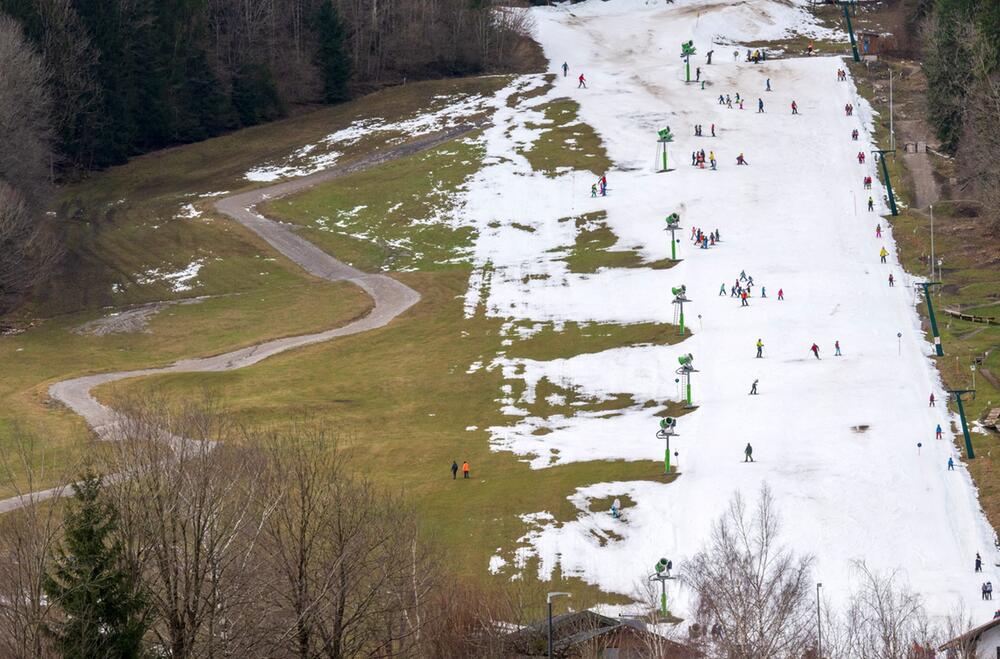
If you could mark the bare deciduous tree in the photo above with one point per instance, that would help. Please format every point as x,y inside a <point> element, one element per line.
<point>27,245</point>
<point>756,591</point>
<point>886,620</point>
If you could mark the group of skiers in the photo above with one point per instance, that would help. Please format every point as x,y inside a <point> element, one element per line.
<point>698,130</point>
<point>867,182</point>
<point>704,240</point>
<point>728,101</point>
<point>841,75</point>
<point>849,109</point>
<point>698,159</point>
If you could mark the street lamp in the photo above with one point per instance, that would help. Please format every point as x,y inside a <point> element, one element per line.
<point>663,568</point>
<point>548,600</point>
<point>819,622</point>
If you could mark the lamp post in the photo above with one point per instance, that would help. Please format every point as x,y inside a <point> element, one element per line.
<point>932,240</point>
<point>663,568</point>
<point>548,600</point>
<point>819,622</point>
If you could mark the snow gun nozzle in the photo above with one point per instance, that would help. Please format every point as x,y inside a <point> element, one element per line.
<point>665,135</point>
<point>679,291</point>
<point>673,219</point>
<point>686,360</point>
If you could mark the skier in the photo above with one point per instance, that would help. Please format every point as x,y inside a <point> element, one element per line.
<point>749,282</point>
<point>767,86</point>
<point>616,508</point>
<point>979,562</point>
<point>743,276</point>
<point>722,101</point>
<point>989,590</point>
<point>711,159</point>
<point>697,74</point>
<point>932,400</point>
<point>878,230</point>
<point>892,280</point>
<point>740,160</point>
<point>871,204</point>
<point>854,135</point>
<point>760,105</point>
<point>763,291</point>
<point>722,289</point>
<point>593,190</point>
<point>815,350</point>
<point>583,82</point>
<point>748,453</point>
<point>708,55</point>
<point>713,130</point>
<point>795,108</point>
<point>753,388</point>
<point>781,294</point>
<point>760,349</point>
<point>565,69</point>
<point>465,469</point>
<point>836,349</point>
<point>951,465</point>
<point>882,254</point>
<point>937,432</point>
<point>454,470</point>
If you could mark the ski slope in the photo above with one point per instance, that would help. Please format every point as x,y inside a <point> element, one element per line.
<point>795,219</point>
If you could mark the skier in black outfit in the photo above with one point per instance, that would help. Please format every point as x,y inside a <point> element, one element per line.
<point>454,470</point>
<point>748,453</point>
<point>753,392</point>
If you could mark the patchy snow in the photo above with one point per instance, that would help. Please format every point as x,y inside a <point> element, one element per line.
<point>789,219</point>
<point>187,212</point>
<point>312,158</point>
<point>179,281</point>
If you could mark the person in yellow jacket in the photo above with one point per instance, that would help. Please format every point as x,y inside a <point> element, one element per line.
<point>882,254</point>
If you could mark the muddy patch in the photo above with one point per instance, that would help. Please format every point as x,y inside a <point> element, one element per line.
<point>133,319</point>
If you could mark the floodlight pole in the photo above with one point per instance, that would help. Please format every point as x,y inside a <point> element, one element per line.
<point>938,348</point>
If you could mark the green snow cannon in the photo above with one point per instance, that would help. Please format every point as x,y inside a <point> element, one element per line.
<point>673,219</point>
<point>686,361</point>
<point>679,291</point>
<point>687,49</point>
<point>665,135</point>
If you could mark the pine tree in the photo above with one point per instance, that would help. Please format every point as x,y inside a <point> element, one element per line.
<point>103,608</point>
<point>335,66</point>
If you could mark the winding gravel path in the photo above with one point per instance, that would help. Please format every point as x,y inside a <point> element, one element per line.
<point>391,297</point>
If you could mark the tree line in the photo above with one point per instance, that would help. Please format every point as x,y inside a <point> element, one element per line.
<point>87,84</point>
<point>962,64</point>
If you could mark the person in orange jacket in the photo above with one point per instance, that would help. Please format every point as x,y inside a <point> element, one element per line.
<point>465,469</point>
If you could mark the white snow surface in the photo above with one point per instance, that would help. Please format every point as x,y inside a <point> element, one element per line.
<point>791,221</point>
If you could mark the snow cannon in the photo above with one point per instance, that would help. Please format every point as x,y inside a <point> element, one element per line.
<point>688,49</point>
<point>665,135</point>
<point>673,220</point>
<point>663,568</point>
<point>686,362</point>
<point>668,423</point>
<point>664,565</point>
<point>679,291</point>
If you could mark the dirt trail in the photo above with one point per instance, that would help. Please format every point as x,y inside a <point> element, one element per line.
<point>391,297</point>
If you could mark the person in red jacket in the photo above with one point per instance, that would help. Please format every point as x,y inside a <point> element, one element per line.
<point>795,108</point>
<point>815,350</point>
<point>583,82</point>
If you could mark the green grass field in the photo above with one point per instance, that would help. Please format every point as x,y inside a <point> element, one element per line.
<point>401,400</point>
